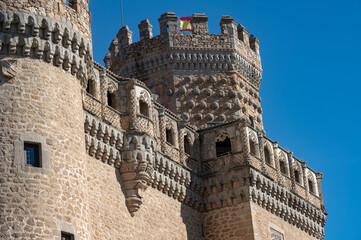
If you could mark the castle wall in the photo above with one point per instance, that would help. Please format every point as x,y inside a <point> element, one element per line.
<point>160,216</point>
<point>42,104</point>
<point>233,222</point>
<point>266,224</point>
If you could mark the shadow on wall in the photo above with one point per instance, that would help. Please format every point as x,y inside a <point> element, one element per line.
<point>190,216</point>
<point>192,220</point>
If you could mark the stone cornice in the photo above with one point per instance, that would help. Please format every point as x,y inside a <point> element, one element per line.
<point>44,38</point>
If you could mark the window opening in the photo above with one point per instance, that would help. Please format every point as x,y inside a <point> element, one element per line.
<point>267,156</point>
<point>297,176</point>
<point>223,147</point>
<point>310,186</point>
<point>143,108</point>
<point>283,167</point>
<point>252,121</point>
<point>111,101</point>
<point>169,136</point>
<point>32,154</point>
<point>187,146</point>
<point>90,88</point>
<point>67,236</point>
<point>252,147</point>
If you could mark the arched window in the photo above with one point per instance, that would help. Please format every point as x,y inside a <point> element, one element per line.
<point>187,145</point>
<point>111,99</point>
<point>252,121</point>
<point>311,186</point>
<point>297,176</point>
<point>283,167</point>
<point>267,156</point>
<point>223,147</point>
<point>169,136</point>
<point>143,108</point>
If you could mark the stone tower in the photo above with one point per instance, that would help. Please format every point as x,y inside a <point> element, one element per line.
<point>202,77</point>
<point>45,58</point>
<point>89,154</point>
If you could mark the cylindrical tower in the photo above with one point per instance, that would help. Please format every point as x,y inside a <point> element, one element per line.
<point>45,58</point>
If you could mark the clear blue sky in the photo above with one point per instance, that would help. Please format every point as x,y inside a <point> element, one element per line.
<point>311,56</point>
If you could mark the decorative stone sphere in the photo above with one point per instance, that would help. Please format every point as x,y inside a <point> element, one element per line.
<point>178,104</point>
<point>191,104</point>
<point>258,119</point>
<point>224,80</point>
<point>188,79</point>
<point>241,83</point>
<point>237,106</point>
<point>228,105</point>
<point>185,116</point>
<point>198,116</point>
<point>196,91</point>
<point>234,81</point>
<point>212,79</point>
<point>208,92</point>
<point>245,99</point>
<point>202,104</point>
<point>239,95</point>
<point>215,105</point>
<point>259,110</point>
<point>201,79</point>
<point>232,93</point>
<point>221,93</point>
<point>244,109</point>
<point>222,117</point>
<point>169,92</point>
<point>236,101</point>
<point>182,90</point>
<point>210,117</point>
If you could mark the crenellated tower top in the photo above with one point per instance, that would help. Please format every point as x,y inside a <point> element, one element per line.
<point>203,77</point>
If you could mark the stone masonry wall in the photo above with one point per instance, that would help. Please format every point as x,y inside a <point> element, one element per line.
<point>263,221</point>
<point>160,217</point>
<point>233,222</point>
<point>42,103</point>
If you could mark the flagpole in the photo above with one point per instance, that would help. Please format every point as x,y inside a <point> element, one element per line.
<point>121,11</point>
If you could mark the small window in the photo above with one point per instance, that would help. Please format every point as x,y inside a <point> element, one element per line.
<point>297,176</point>
<point>169,136</point>
<point>223,147</point>
<point>71,3</point>
<point>143,108</point>
<point>310,186</point>
<point>111,99</point>
<point>32,154</point>
<point>67,236</point>
<point>267,156</point>
<point>91,87</point>
<point>283,168</point>
<point>252,147</point>
<point>187,146</point>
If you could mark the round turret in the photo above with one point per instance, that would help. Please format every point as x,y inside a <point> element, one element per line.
<point>45,61</point>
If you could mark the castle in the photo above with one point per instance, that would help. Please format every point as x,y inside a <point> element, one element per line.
<point>164,142</point>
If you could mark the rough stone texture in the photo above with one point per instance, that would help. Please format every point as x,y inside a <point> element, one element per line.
<point>229,223</point>
<point>34,204</point>
<point>264,221</point>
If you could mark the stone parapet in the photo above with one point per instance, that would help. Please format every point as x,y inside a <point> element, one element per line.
<point>40,37</point>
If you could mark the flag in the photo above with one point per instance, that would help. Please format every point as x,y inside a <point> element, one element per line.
<point>185,24</point>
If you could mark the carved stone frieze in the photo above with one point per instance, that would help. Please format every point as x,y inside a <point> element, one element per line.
<point>136,170</point>
<point>44,38</point>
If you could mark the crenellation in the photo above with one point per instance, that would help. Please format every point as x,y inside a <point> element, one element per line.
<point>145,30</point>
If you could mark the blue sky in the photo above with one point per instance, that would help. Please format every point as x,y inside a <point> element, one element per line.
<point>311,83</point>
